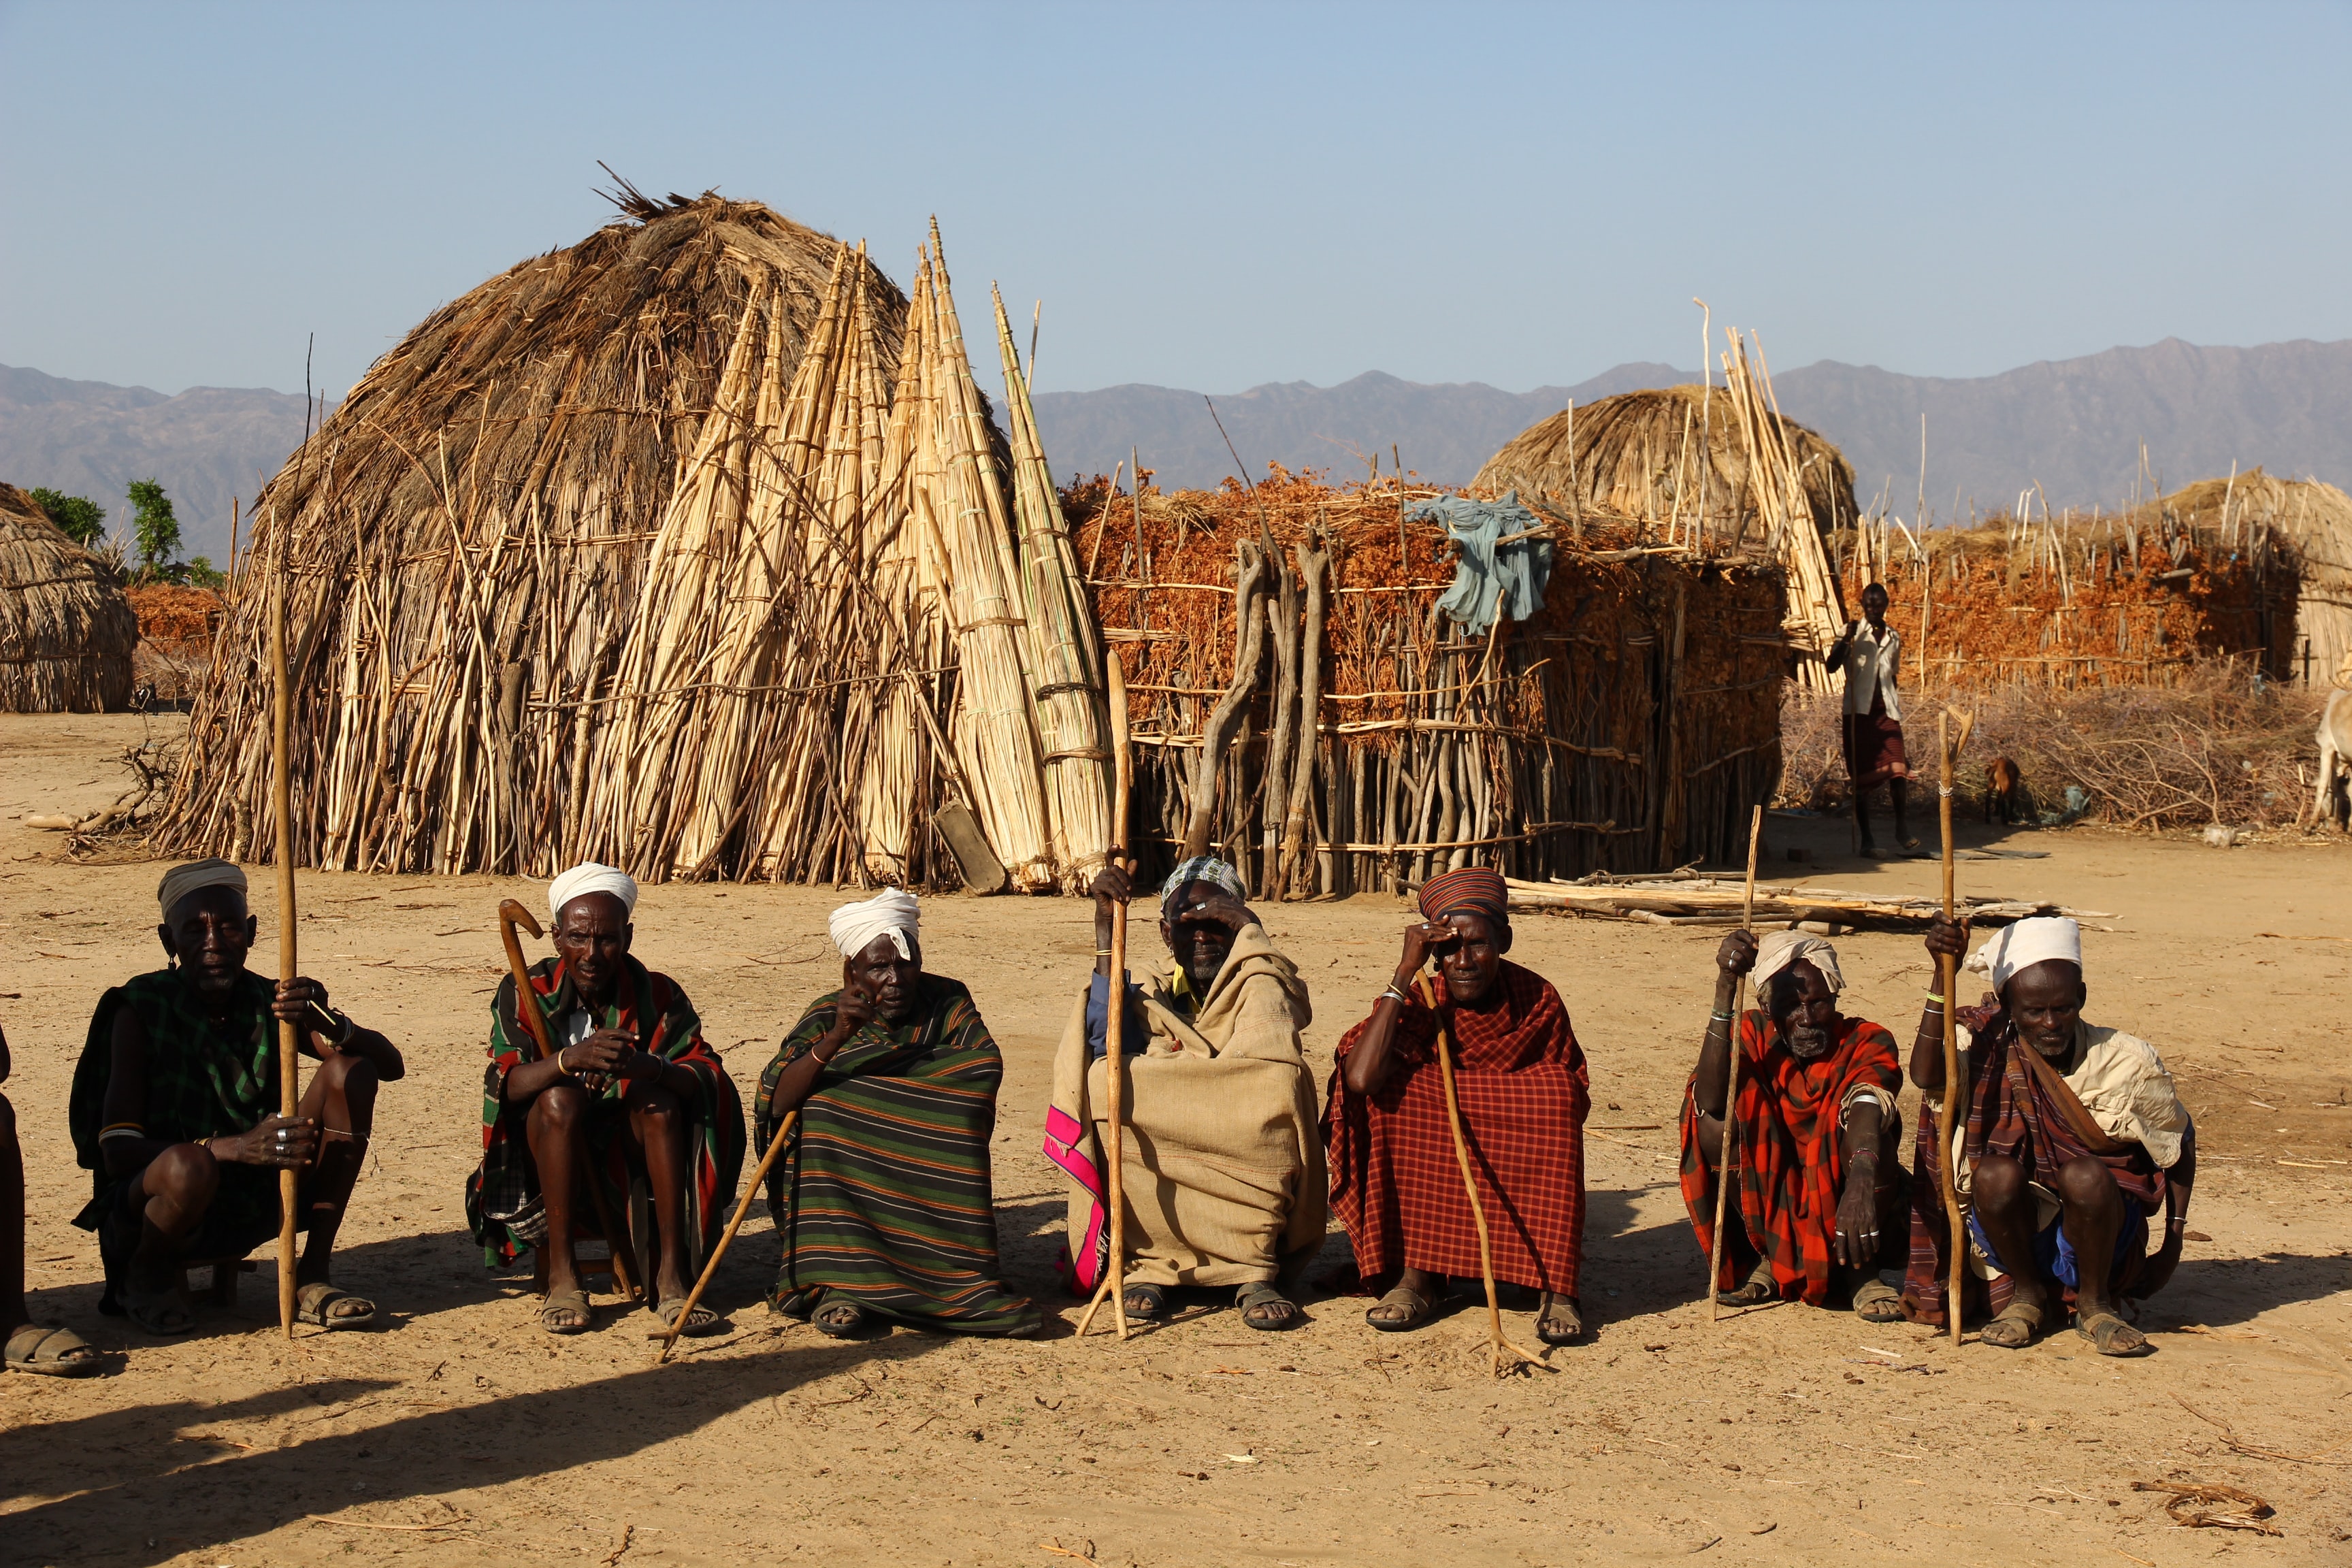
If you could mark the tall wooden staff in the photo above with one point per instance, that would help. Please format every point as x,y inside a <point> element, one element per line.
<point>1497,1343</point>
<point>743,1206</point>
<point>281,800</point>
<point>1114,1280</point>
<point>1731,1086</point>
<point>1947,1120</point>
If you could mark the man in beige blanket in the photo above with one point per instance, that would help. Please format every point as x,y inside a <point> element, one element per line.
<point>1224,1164</point>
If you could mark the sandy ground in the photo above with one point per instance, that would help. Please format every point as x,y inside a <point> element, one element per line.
<point>460,1433</point>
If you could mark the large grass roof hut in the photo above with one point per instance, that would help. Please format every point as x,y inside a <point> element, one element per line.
<point>691,548</point>
<point>2229,515</point>
<point>66,629</point>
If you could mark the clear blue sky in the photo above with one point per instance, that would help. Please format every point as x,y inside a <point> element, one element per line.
<point>1207,196</point>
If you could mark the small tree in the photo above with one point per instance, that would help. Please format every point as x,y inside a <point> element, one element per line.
<point>200,573</point>
<point>154,529</point>
<point>81,520</point>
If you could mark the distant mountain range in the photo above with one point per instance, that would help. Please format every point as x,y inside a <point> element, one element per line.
<point>87,439</point>
<point>2074,425</point>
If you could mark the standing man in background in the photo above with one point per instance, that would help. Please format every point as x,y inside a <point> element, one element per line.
<point>1872,728</point>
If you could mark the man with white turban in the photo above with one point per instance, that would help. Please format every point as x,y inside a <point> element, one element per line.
<point>883,1198</point>
<point>175,1112</point>
<point>1817,1185</point>
<point>2073,1136</point>
<point>631,1098</point>
<point>1223,1162</point>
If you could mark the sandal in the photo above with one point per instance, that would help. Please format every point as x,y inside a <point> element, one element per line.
<point>1562,1322</point>
<point>2014,1328</point>
<point>1418,1310</point>
<point>566,1312</point>
<point>1144,1303</point>
<point>2110,1335</point>
<point>1876,1302</point>
<point>51,1352</point>
<point>1755,1290</point>
<point>841,1318</point>
<point>1264,1307</point>
<point>315,1303</point>
<point>157,1312</point>
<point>700,1322</point>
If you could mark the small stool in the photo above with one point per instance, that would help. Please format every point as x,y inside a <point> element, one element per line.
<point>219,1289</point>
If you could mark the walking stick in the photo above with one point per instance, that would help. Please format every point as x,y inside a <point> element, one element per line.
<point>1498,1344</point>
<point>282,802</point>
<point>1114,1280</point>
<point>511,915</point>
<point>742,1207</point>
<point>1947,1119</point>
<point>1731,1087</point>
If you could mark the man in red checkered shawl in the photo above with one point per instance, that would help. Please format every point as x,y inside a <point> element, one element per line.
<point>1523,1091</point>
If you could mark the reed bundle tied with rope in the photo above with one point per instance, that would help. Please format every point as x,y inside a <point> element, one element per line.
<point>1630,724</point>
<point>693,548</point>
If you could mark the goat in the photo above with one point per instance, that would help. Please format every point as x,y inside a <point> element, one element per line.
<point>2335,738</point>
<point>2004,792</point>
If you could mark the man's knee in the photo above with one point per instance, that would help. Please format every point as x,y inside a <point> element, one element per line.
<point>652,1102</point>
<point>2000,1183</point>
<point>559,1108</point>
<point>354,1077</point>
<point>185,1173</point>
<point>2086,1184</point>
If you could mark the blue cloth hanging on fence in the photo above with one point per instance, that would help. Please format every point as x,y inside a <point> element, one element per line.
<point>1488,571</point>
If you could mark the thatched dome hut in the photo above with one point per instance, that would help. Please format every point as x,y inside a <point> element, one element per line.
<point>66,628</point>
<point>468,537</point>
<point>1653,456</point>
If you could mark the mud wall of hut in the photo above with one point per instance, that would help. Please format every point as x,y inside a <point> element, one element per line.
<point>1629,726</point>
<point>2105,602</point>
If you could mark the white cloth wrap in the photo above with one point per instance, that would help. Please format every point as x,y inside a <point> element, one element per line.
<point>194,877</point>
<point>2025,945</point>
<point>588,877</point>
<point>890,912</point>
<point>1779,949</point>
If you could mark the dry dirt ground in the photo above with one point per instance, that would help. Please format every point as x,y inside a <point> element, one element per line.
<point>460,1433</point>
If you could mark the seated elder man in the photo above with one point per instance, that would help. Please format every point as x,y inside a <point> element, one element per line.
<point>175,1112</point>
<point>1223,1163</point>
<point>1817,1202</point>
<point>631,1099</point>
<point>30,1346</point>
<point>2073,1136</point>
<point>883,1198</point>
<point>1524,1093</point>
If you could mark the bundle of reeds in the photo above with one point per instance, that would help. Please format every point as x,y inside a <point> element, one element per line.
<point>1776,491</point>
<point>66,628</point>
<point>1632,724</point>
<point>1708,900</point>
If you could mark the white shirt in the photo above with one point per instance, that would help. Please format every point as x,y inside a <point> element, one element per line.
<point>1871,659</point>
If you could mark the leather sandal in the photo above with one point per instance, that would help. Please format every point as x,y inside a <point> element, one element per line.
<point>1265,1307</point>
<point>2014,1328</point>
<point>2110,1335</point>
<point>1876,1302</point>
<point>841,1318</point>
<point>51,1352</point>
<point>566,1312</point>
<point>1419,1308</point>
<point>1560,1322</point>
<point>315,1303</point>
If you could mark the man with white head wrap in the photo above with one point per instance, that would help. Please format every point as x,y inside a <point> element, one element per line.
<point>175,1112</point>
<point>632,1099</point>
<point>2072,1137</point>
<point>884,1199</point>
<point>1223,1161</point>
<point>1819,1190</point>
